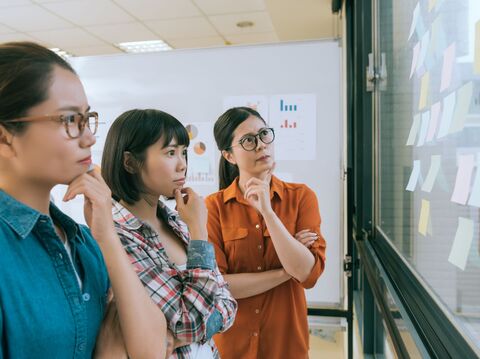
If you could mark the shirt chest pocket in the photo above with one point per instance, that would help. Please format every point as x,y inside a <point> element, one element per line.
<point>235,241</point>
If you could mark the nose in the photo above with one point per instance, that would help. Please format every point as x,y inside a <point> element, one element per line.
<point>182,164</point>
<point>87,139</point>
<point>260,144</point>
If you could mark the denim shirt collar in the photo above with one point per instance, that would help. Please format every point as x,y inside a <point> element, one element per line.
<point>22,218</point>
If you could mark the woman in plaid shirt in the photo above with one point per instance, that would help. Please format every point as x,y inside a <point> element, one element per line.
<point>144,158</point>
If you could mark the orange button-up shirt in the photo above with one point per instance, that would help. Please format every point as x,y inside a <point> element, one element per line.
<point>273,324</point>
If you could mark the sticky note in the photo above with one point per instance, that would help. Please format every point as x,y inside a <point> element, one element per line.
<point>474,199</point>
<point>447,68</point>
<point>423,128</point>
<point>447,114</point>
<point>415,17</point>
<point>424,91</point>
<point>416,53</point>
<point>462,243</point>
<point>464,97</point>
<point>424,45</point>
<point>435,163</point>
<point>434,116</point>
<point>412,182</point>
<point>461,190</point>
<point>477,48</point>
<point>414,130</point>
<point>424,216</point>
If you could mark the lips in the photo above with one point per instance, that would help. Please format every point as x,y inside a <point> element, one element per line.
<point>181,180</point>
<point>86,160</point>
<point>263,158</point>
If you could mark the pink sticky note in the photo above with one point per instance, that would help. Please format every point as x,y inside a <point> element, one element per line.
<point>466,163</point>
<point>416,52</point>
<point>447,69</point>
<point>434,115</point>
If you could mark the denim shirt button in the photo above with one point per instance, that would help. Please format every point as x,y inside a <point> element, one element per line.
<point>81,347</point>
<point>86,297</point>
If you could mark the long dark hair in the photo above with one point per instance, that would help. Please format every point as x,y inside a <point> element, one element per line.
<point>25,77</point>
<point>223,131</point>
<point>134,131</point>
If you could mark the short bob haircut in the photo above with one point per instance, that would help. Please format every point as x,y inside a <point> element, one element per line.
<point>134,131</point>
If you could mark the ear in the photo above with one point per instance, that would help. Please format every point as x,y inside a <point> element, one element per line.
<point>6,139</point>
<point>228,155</point>
<point>129,163</point>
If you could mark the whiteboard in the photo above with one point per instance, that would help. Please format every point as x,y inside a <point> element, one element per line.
<point>192,85</point>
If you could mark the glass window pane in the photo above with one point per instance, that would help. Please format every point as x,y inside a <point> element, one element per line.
<point>429,138</point>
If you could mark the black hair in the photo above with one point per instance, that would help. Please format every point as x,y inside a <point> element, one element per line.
<point>134,131</point>
<point>223,132</point>
<point>25,77</point>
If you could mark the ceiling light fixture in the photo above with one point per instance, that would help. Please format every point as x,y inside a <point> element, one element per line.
<point>62,53</point>
<point>144,46</point>
<point>244,24</point>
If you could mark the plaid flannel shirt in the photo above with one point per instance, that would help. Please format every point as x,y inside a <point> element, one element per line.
<point>196,302</point>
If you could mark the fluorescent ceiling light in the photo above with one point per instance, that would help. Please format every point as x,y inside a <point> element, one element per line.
<point>144,46</point>
<point>61,53</point>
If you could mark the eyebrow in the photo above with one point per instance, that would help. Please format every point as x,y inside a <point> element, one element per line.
<point>73,108</point>
<point>251,133</point>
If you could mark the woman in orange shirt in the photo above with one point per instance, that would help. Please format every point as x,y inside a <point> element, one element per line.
<point>252,223</point>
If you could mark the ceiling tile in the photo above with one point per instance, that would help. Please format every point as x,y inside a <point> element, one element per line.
<point>5,30</point>
<point>198,43</point>
<point>16,37</point>
<point>93,50</point>
<point>90,12</point>
<point>261,38</point>
<point>182,28</point>
<point>227,24</point>
<point>9,3</point>
<point>67,38</point>
<point>215,7</point>
<point>134,31</point>
<point>159,9</point>
<point>31,18</point>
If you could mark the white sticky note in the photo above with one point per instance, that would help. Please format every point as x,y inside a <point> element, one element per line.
<point>462,243</point>
<point>477,48</point>
<point>424,216</point>
<point>415,16</point>
<point>434,115</point>
<point>424,44</point>
<point>424,84</point>
<point>412,182</point>
<point>474,199</point>
<point>447,113</point>
<point>416,53</point>
<point>435,163</point>
<point>423,128</point>
<point>412,136</point>
<point>466,164</point>
<point>447,68</point>
<point>464,97</point>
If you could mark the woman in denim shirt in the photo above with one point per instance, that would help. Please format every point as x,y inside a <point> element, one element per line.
<point>53,274</point>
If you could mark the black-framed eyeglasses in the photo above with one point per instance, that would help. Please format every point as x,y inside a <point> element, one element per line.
<point>250,142</point>
<point>74,124</point>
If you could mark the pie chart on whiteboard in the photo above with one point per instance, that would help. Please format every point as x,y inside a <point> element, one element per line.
<point>192,131</point>
<point>199,148</point>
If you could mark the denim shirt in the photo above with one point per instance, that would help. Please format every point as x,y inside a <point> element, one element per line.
<point>43,311</point>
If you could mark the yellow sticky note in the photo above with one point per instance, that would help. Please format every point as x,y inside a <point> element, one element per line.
<point>477,47</point>
<point>424,216</point>
<point>431,4</point>
<point>424,91</point>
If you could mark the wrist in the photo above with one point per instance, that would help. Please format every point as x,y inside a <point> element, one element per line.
<point>198,233</point>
